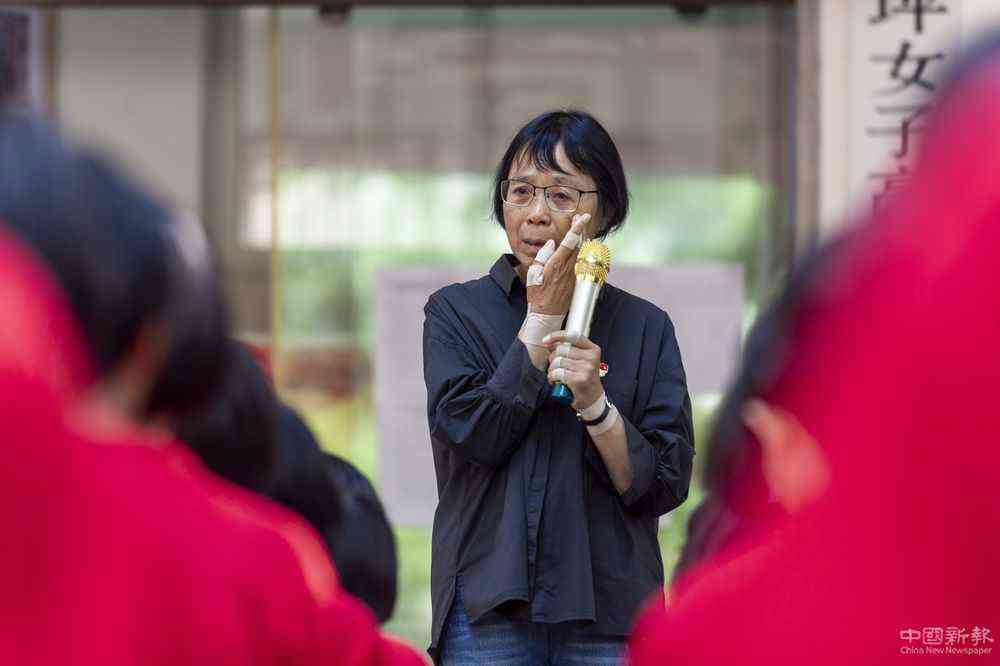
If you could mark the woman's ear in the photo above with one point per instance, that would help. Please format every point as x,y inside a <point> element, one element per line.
<point>795,469</point>
<point>116,406</point>
<point>137,372</point>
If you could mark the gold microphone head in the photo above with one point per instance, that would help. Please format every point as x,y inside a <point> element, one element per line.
<point>594,261</point>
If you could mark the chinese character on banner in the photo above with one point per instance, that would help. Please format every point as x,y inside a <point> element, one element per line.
<point>933,636</point>
<point>904,129</point>
<point>955,636</point>
<point>914,74</point>
<point>898,73</point>
<point>918,8</point>
<point>890,183</point>
<point>909,635</point>
<point>980,636</point>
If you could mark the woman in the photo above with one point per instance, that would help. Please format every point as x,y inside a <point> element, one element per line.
<point>545,533</point>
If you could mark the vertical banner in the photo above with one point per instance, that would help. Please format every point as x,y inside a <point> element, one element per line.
<point>899,52</point>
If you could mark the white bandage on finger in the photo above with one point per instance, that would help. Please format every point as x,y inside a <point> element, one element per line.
<point>559,362</point>
<point>536,326</point>
<point>535,276</point>
<point>545,252</point>
<point>536,271</point>
<point>559,375</point>
<point>563,348</point>
<point>571,240</point>
<point>607,424</point>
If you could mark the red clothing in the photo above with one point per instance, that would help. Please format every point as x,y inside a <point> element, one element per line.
<point>191,569</point>
<point>39,338</point>
<point>123,549</point>
<point>42,365</point>
<point>894,371</point>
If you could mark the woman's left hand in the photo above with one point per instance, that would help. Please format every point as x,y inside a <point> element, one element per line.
<point>575,361</point>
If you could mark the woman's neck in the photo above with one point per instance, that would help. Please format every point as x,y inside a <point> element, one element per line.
<point>110,413</point>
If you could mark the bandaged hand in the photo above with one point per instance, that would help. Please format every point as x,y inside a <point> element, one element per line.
<point>537,326</point>
<point>536,272</point>
<point>550,278</point>
<point>575,361</point>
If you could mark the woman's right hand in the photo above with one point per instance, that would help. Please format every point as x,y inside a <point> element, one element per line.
<point>554,295</point>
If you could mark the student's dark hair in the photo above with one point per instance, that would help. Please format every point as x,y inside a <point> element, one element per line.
<point>362,544</point>
<point>732,449</point>
<point>195,362</point>
<point>341,504</point>
<point>981,53</point>
<point>300,480</point>
<point>101,235</point>
<point>588,147</point>
<point>733,474</point>
<point>235,432</point>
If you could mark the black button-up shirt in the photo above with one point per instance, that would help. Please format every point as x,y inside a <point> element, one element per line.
<point>527,513</point>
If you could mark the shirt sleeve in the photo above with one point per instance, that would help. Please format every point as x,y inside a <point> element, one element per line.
<point>483,415</point>
<point>661,443</point>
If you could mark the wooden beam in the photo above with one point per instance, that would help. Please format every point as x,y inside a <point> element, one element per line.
<point>807,127</point>
<point>97,4</point>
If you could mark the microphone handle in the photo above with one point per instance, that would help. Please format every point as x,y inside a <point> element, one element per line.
<point>581,312</point>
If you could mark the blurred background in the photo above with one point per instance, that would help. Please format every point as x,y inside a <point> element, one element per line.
<point>340,156</point>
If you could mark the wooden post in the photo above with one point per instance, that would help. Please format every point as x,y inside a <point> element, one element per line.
<point>274,90</point>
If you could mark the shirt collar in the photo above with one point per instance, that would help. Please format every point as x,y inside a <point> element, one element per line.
<point>504,273</point>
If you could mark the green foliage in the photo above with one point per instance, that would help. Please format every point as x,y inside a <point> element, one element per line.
<point>675,220</point>
<point>320,299</point>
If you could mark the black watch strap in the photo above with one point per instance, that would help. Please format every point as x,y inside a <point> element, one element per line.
<point>599,419</point>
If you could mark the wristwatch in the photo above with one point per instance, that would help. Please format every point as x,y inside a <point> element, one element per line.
<point>599,419</point>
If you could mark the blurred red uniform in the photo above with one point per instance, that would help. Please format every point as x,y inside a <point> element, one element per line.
<point>894,370</point>
<point>121,548</point>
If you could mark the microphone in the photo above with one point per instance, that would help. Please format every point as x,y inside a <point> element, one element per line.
<point>593,264</point>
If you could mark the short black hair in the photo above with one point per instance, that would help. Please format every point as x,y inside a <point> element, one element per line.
<point>300,482</point>
<point>980,54</point>
<point>235,433</point>
<point>588,147</point>
<point>197,317</point>
<point>733,474</point>
<point>341,504</point>
<point>102,236</point>
<point>732,449</point>
<point>362,545</point>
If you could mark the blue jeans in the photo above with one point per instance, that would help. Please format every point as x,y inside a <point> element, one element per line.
<point>504,642</point>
